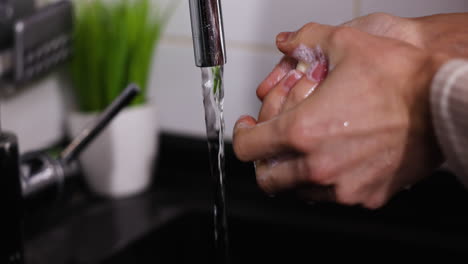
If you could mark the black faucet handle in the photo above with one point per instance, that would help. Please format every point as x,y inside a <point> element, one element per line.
<point>89,133</point>
<point>40,170</point>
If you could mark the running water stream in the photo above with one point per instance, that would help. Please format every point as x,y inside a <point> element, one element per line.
<point>213,100</point>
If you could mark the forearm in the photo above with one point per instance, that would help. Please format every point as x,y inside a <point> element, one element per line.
<point>449,102</point>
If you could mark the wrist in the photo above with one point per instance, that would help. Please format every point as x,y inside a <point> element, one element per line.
<point>422,74</point>
<point>411,31</point>
<point>437,60</point>
<point>443,33</point>
<point>418,96</point>
<point>435,63</point>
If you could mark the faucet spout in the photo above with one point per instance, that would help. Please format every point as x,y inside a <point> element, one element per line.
<point>208,33</point>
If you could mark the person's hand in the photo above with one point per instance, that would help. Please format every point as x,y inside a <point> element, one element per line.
<point>364,133</point>
<point>443,33</point>
<point>387,25</point>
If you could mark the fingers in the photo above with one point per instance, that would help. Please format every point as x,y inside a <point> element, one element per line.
<point>279,174</point>
<point>303,89</point>
<point>334,41</point>
<point>261,141</point>
<point>312,44</point>
<point>306,86</point>
<point>246,122</point>
<point>279,72</point>
<point>286,132</point>
<point>302,47</point>
<point>273,102</point>
<point>289,173</point>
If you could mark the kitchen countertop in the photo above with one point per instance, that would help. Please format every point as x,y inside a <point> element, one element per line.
<point>82,228</point>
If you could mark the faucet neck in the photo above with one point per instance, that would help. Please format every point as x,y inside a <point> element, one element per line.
<point>208,33</point>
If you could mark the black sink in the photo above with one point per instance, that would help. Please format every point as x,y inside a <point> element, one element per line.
<point>189,239</point>
<point>173,223</point>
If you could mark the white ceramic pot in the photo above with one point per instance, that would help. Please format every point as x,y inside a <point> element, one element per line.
<point>119,162</point>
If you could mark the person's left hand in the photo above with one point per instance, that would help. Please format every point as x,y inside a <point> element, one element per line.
<point>444,33</point>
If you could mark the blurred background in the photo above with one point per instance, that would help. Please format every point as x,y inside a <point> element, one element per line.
<point>37,115</point>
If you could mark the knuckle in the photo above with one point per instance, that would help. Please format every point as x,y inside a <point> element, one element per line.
<point>319,171</point>
<point>265,182</point>
<point>240,149</point>
<point>307,28</point>
<point>289,129</point>
<point>341,34</point>
<point>297,133</point>
<point>305,31</point>
<point>269,110</point>
<point>294,136</point>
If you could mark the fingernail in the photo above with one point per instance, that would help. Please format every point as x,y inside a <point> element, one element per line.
<point>292,79</point>
<point>320,72</point>
<point>241,123</point>
<point>283,37</point>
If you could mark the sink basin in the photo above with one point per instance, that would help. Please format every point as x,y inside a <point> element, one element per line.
<point>173,223</point>
<point>188,239</point>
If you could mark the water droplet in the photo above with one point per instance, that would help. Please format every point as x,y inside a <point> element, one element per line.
<point>312,90</point>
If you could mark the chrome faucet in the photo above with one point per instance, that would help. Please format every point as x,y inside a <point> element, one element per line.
<point>208,33</point>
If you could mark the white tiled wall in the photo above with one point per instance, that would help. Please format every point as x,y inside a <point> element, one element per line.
<point>36,114</point>
<point>258,21</point>
<point>250,25</point>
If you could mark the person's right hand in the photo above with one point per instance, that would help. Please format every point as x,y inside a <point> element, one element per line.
<point>362,136</point>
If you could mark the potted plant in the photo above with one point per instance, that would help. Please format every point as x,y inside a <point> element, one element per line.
<point>114,42</point>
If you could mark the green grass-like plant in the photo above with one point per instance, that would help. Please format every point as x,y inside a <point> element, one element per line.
<point>218,79</point>
<point>114,42</point>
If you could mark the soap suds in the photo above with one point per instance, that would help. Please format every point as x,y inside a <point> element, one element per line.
<point>312,62</point>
